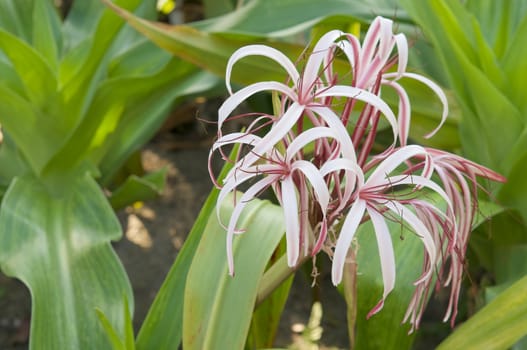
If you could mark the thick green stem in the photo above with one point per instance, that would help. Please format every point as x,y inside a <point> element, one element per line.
<point>275,276</point>
<point>350,294</point>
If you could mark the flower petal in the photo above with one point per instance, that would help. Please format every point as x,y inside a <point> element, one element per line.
<point>420,230</point>
<point>242,203</point>
<point>349,228</point>
<point>260,50</point>
<point>292,230</point>
<point>238,97</point>
<point>434,87</point>
<point>386,254</point>
<point>365,96</point>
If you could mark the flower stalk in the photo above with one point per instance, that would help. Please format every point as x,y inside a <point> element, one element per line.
<point>317,156</point>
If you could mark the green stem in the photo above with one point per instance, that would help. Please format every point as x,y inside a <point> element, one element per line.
<point>350,294</point>
<point>275,276</point>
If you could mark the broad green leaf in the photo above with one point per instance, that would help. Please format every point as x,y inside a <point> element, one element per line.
<point>47,37</point>
<point>10,154</point>
<point>35,73</point>
<point>16,17</point>
<point>279,18</point>
<point>214,8</point>
<point>162,329</point>
<point>208,51</point>
<point>60,248</point>
<point>109,109</point>
<point>499,21</point>
<point>266,316</point>
<point>496,326</point>
<point>142,59</point>
<point>487,113</point>
<point>113,337</point>
<point>143,116</point>
<point>515,65</point>
<point>219,316</point>
<point>384,330</point>
<point>137,188</point>
<point>29,128</point>
<point>128,343</point>
<point>78,82</point>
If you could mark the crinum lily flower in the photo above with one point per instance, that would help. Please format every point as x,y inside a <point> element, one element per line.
<point>321,166</point>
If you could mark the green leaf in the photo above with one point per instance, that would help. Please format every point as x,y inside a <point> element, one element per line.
<point>266,317</point>
<point>47,37</point>
<point>497,326</point>
<point>162,329</point>
<point>60,248</point>
<point>34,71</point>
<point>16,17</point>
<point>280,18</point>
<point>219,316</point>
<point>208,51</point>
<point>143,116</point>
<point>115,339</point>
<point>137,188</point>
<point>214,8</point>
<point>499,21</point>
<point>143,97</point>
<point>29,128</point>
<point>80,76</point>
<point>384,330</point>
<point>488,113</point>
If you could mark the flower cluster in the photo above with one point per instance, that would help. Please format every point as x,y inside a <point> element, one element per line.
<point>317,155</point>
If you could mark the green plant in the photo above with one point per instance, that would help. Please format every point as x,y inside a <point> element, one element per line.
<point>77,98</point>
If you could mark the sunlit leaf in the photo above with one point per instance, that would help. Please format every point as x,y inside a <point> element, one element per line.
<point>497,326</point>
<point>219,316</point>
<point>137,188</point>
<point>59,246</point>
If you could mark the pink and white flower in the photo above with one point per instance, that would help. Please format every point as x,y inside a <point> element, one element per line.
<point>321,165</point>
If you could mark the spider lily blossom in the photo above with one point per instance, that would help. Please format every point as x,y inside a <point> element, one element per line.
<point>320,163</point>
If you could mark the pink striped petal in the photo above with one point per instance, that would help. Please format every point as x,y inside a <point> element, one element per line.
<point>386,254</point>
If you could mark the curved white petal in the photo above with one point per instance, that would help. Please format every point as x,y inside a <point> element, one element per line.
<point>305,138</point>
<point>404,113</point>
<point>365,96</point>
<point>310,75</point>
<point>386,254</point>
<point>354,177</point>
<point>237,176</point>
<point>419,181</point>
<point>402,52</point>
<point>235,215</point>
<point>260,50</point>
<point>349,228</point>
<point>434,87</point>
<point>236,137</point>
<point>316,180</point>
<point>392,162</point>
<point>341,133</point>
<point>420,229</point>
<point>292,224</point>
<point>239,96</point>
<point>282,126</point>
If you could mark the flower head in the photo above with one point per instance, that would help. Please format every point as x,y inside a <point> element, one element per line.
<point>319,161</point>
